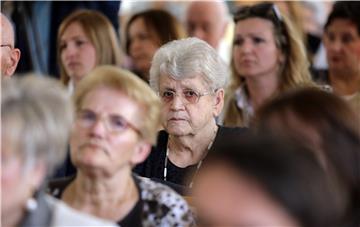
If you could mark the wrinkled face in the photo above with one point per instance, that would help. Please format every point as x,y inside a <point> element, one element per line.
<point>143,45</point>
<point>78,54</point>
<point>342,43</point>
<point>189,105</point>
<point>223,197</point>
<point>105,135</point>
<point>254,50</point>
<point>206,21</point>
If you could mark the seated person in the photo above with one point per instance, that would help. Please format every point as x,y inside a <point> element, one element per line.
<point>117,116</point>
<point>261,181</point>
<point>190,78</point>
<point>146,32</point>
<point>9,55</point>
<point>36,116</point>
<point>329,127</point>
<point>268,58</point>
<point>342,45</point>
<point>86,39</point>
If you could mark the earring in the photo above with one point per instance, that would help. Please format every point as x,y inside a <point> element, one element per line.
<point>31,204</point>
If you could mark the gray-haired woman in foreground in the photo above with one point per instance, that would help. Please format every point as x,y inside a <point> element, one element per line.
<point>36,118</point>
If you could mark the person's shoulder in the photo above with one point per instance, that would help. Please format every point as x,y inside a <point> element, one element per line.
<point>161,145</point>
<point>225,131</point>
<point>152,190</point>
<point>165,200</point>
<point>228,132</point>
<point>66,216</point>
<point>56,187</point>
<point>157,154</point>
<point>162,138</point>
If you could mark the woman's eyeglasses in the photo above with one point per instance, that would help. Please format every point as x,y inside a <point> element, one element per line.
<point>113,123</point>
<point>187,96</point>
<point>264,10</point>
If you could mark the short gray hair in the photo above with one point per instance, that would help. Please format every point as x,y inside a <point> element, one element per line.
<point>36,118</point>
<point>186,58</point>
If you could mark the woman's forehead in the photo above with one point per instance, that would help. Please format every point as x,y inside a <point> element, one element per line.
<point>193,81</point>
<point>254,24</point>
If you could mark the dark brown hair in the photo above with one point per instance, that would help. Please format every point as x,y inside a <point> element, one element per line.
<point>287,172</point>
<point>335,123</point>
<point>159,22</point>
<point>345,10</point>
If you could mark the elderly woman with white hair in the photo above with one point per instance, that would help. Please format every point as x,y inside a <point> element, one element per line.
<point>36,117</point>
<point>190,78</point>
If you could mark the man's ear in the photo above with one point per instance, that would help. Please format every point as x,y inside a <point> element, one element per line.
<point>14,60</point>
<point>218,102</point>
<point>141,152</point>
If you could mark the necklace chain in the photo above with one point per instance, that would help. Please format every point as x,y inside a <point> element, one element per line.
<point>166,164</point>
<point>197,167</point>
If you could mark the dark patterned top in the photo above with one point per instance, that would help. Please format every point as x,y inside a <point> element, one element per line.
<point>158,204</point>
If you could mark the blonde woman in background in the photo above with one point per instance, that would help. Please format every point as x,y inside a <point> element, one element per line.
<point>269,57</point>
<point>86,39</point>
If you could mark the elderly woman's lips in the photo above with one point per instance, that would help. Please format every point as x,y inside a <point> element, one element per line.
<point>177,119</point>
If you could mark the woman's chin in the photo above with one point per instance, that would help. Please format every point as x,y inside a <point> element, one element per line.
<point>177,131</point>
<point>94,170</point>
<point>90,163</point>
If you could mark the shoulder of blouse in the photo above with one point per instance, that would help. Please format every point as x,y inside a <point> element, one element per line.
<point>163,206</point>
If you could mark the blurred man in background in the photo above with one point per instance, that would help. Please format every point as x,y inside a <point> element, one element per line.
<point>9,55</point>
<point>208,20</point>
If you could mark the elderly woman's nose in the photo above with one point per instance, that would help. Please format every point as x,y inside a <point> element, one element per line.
<point>177,102</point>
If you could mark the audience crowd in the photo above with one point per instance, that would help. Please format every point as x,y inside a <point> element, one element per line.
<point>167,123</point>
